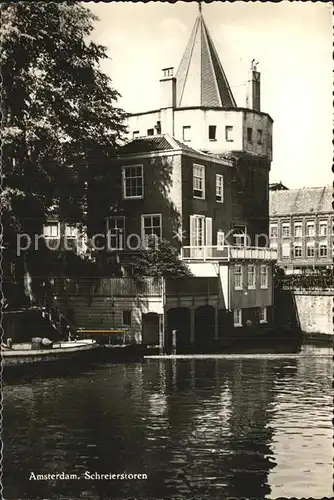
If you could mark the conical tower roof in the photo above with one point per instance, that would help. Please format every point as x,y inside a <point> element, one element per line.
<point>200,78</point>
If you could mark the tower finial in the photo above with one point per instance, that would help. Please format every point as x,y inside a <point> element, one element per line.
<point>200,6</point>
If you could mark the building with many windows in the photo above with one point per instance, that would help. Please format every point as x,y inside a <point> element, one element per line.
<point>195,172</point>
<point>301,228</point>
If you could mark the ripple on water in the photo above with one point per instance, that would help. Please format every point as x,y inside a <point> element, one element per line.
<point>231,427</point>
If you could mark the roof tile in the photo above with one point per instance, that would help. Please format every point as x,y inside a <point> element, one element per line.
<point>301,201</point>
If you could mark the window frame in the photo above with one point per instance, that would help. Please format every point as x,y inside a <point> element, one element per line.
<point>321,246</point>
<point>143,235</point>
<point>124,178</point>
<point>284,226</point>
<point>212,128</point>
<point>310,224</point>
<point>184,129</point>
<point>298,225</point>
<point>310,245</point>
<point>251,286</point>
<point>259,133</point>
<point>299,246</point>
<point>286,245</point>
<point>249,133</point>
<point>265,285</point>
<point>220,235</point>
<point>323,224</point>
<point>240,286</point>
<point>237,317</point>
<point>202,169</point>
<point>273,225</point>
<point>118,231</point>
<point>127,311</point>
<point>51,236</point>
<point>221,187</point>
<point>228,131</point>
<point>265,315</point>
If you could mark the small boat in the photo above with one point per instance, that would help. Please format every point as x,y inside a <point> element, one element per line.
<point>41,356</point>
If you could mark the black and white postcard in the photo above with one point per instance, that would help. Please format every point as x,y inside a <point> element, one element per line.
<point>167,250</point>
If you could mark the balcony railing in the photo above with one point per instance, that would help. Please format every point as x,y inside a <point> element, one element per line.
<point>204,253</point>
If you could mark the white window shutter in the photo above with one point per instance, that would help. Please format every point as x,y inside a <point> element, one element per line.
<point>192,230</point>
<point>208,231</point>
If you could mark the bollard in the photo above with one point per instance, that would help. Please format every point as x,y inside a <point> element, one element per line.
<point>174,341</point>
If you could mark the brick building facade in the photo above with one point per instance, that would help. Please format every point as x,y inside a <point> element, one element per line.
<point>301,228</point>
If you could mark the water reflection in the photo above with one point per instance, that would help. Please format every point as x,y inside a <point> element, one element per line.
<point>215,428</point>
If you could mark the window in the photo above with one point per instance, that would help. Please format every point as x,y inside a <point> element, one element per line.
<point>51,230</point>
<point>126,318</point>
<point>273,231</point>
<point>151,228</point>
<point>150,131</point>
<point>310,229</point>
<point>197,230</point>
<point>135,134</point>
<point>251,277</point>
<point>240,236</point>
<point>286,230</point>
<point>186,133</point>
<point>133,182</point>
<point>323,228</point>
<point>116,232</point>
<point>219,188</point>
<point>332,226</point>
<point>259,136</point>
<point>285,250</point>
<point>212,132</point>
<point>298,229</point>
<point>249,134</point>
<point>264,276</point>
<point>238,278</point>
<point>220,239</point>
<point>71,237</point>
<point>323,250</point>
<point>198,181</point>
<point>297,251</point>
<point>310,250</point>
<point>237,317</point>
<point>263,315</point>
<point>229,133</point>
<point>71,231</point>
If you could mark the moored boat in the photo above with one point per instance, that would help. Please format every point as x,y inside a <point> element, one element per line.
<point>36,357</point>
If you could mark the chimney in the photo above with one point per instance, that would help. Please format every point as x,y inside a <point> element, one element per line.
<point>168,89</point>
<point>253,99</point>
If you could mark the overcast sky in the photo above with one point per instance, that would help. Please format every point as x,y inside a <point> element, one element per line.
<point>291,40</point>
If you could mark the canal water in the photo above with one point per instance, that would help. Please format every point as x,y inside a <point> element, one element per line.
<point>257,427</point>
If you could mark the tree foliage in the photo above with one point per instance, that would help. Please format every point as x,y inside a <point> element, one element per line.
<point>59,111</point>
<point>160,260</point>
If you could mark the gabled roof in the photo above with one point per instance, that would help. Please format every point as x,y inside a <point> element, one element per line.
<point>146,144</point>
<point>163,143</point>
<point>155,143</point>
<point>277,186</point>
<point>200,78</point>
<point>301,201</point>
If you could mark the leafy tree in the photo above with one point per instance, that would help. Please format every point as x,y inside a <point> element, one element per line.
<point>160,260</point>
<point>59,113</point>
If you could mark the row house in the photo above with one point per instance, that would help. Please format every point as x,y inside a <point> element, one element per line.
<point>301,228</point>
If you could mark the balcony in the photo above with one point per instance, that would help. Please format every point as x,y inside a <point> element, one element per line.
<point>227,253</point>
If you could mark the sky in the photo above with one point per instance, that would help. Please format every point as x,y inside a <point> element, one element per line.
<point>292,41</point>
